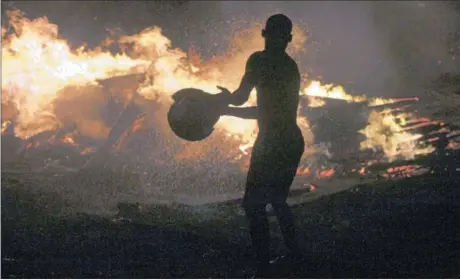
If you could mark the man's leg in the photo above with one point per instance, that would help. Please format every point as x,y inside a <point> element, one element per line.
<point>288,227</point>
<point>260,234</point>
<point>283,210</point>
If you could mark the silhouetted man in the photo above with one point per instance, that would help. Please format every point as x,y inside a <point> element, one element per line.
<point>279,145</point>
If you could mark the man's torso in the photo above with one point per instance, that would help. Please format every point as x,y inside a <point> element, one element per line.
<point>278,85</point>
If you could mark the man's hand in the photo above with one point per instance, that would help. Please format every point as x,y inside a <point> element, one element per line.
<point>224,96</point>
<point>224,90</point>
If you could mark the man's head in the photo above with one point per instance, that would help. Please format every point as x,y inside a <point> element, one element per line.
<point>277,32</point>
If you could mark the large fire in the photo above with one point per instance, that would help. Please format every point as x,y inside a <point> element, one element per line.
<point>383,131</point>
<point>37,65</point>
<point>42,78</point>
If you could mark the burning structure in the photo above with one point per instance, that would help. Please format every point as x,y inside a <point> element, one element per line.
<point>65,110</point>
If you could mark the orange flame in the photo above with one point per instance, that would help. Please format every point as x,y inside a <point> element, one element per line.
<point>325,173</point>
<point>303,171</point>
<point>68,140</point>
<point>383,131</point>
<point>39,66</point>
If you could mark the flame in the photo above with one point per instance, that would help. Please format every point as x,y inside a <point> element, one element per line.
<point>68,140</point>
<point>303,171</point>
<point>245,147</point>
<point>314,102</point>
<point>5,126</point>
<point>385,132</point>
<point>325,173</point>
<point>173,69</point>
<point>317,92</point>
<point>39,68</point>
<point>316,89</point>
<point>37,65</point>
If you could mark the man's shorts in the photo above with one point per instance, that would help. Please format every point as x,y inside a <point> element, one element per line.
<point>272,169</point>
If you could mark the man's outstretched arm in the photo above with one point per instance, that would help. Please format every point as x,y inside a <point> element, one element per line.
<point>242,112</point>
<point>241,94</point>
<point>248,82</point>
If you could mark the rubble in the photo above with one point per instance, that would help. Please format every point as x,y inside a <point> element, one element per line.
<point>140,159</point>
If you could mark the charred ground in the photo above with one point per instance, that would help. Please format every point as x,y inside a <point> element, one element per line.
<point>397,229</point>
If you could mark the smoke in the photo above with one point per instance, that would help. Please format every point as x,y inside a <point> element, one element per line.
<point>420,36</point>
<point>375,48</point>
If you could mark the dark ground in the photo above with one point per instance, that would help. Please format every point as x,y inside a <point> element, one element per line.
<point>404,229</point>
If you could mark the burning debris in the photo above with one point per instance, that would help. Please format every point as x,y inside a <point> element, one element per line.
<point>70,109</point>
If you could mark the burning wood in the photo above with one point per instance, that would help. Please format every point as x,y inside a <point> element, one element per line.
<point>124,98</point>
<point>126,118</point>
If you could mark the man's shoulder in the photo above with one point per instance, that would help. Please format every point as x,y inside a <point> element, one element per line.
<point>292,65</point>
<point>256,56</point>
<point>291,60</point>
<point>255,60</point>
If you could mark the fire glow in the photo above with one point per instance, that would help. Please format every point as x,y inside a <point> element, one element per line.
<point>40,69</point>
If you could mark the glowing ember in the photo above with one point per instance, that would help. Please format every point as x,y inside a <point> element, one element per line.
<point>454,146</point>
<point>68,140</point>
<point>325,173</point>
<point>87,151</point>
<point>303,171</point>
<point>404,171</point>
<point>418,120</point>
